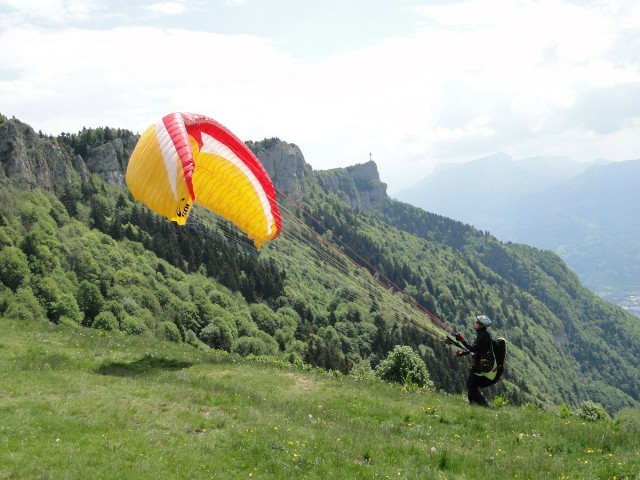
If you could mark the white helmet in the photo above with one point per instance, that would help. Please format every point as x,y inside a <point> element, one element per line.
<point>484,320</point>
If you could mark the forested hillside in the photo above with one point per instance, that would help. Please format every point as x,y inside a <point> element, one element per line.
<point>586,213</point>
<point>83,251</point>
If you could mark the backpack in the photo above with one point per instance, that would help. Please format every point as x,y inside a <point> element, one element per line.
<point>499,350</point>
<point>499,346</point>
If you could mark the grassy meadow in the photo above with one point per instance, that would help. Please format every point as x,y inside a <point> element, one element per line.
<point>79,403</point>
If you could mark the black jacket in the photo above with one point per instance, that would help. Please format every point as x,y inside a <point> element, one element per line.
<point>482,352</point>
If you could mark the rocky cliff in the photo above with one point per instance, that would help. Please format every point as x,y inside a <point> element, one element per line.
<point>34,160</point>
<point>359,186</point>
<point>109,161</point>
<point>286,167</point>
<point>31,160</point>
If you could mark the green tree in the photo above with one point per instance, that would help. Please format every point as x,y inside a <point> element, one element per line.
<point>251,346</point>
<point>66,307</point>
<point>218,334</point>
<point>264,318</point>
<point>403,365</point>
<point>105,321</point>
<point>324,350</point>
<point>89,300</point>
<point>85,265</point>
<point>41,246</point>
<point>185,316</point>
<point>134,326</point>
<point>6,237</point>
<point>170,332</point>
<point>47,291</point>
<point>25,296</point>
<point>70,196</point>
<point>14,267</point>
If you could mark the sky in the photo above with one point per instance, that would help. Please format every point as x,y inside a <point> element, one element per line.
<point>410,84</point>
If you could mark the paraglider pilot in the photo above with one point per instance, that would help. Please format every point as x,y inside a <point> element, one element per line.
<point>482,359</point>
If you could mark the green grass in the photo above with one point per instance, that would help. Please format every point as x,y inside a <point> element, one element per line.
<point>78,403</point>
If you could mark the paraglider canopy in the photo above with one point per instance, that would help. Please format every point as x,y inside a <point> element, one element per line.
<point>186,158</point>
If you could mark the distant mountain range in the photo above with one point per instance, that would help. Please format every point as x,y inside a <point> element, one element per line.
<point>586,213</point>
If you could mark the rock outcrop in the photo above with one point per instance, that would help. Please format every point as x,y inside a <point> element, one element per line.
<point>287,168</point>
<point>359,186</point>
<point>33,161</point>
<point>30,160</point>
<point>109,161</point>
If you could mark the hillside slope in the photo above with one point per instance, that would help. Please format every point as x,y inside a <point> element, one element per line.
<point>80,404</point>
<point>587,214</point>
<point>562,331</point>
<point>299,297</point>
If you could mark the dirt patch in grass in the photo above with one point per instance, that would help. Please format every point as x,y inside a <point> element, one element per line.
<point>301,383</point>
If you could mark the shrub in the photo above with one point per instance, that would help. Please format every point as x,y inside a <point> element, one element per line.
<point>592,411</point>
<point>271,345</point>
<point>67,306</point>
<point>191,338</point>
<point>67,322</point>
<point>89,300</point>
<point>147,318</point>
<point>264,318</point>
<point>629,420</point>
<point>14,267</point>
<point>170,332</point>
<point>26,297</point>
<point>218,334</point>
<point>246,346</point>
<point>6,297</point>
<point>565,411</point>
<point>105,321</point>
<point>133,326</point>
<point>18,311</point>
<point>297,347</point>
<point>116,308</point>
<point>404,366</point>
<point>294,358</point>
<point>362,371</point>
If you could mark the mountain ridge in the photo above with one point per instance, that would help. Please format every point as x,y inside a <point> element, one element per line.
<point>452,269</point>
<point>587,215</point>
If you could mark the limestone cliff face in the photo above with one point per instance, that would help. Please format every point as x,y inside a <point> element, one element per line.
<point>359,185</point>
<point>30,160</point>
<point>35,161</point>
<point>109,161</point>
<point>371,190</point>
<point>287,168</point>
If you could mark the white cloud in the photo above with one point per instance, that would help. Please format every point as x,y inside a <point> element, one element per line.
<point>470,79</point>
<point>166,8</point>
<point>50,11</point>
<point>114,71</point>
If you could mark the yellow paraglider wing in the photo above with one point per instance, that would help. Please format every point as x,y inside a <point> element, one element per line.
<point>185,157</point>
<point>156,175</point>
